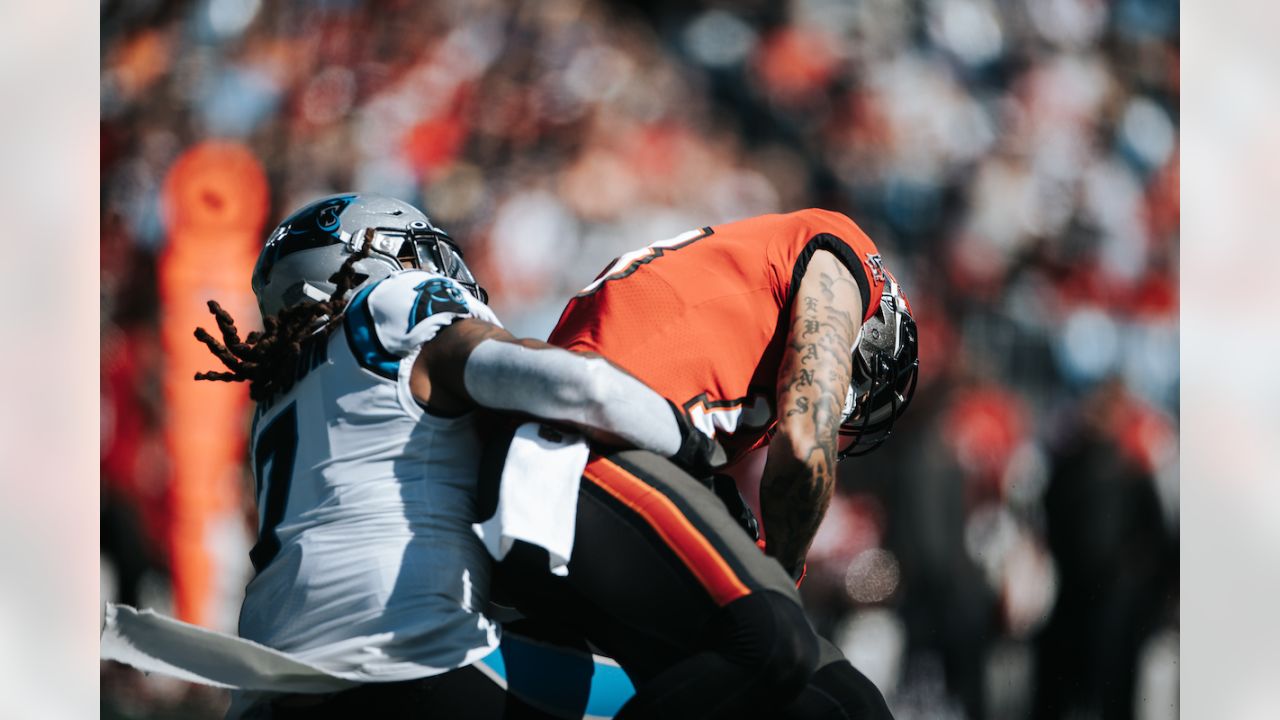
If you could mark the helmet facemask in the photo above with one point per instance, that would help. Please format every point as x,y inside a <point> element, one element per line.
<point>425,247</point>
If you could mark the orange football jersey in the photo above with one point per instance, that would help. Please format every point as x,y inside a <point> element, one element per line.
<point>703,317</point>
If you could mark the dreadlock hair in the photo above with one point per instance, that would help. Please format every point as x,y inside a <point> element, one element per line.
<point>268,360</point>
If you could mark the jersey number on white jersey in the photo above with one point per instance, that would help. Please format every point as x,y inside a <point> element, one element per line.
<point>273,468</point>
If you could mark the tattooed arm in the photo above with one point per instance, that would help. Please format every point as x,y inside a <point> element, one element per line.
<point>800,469</point>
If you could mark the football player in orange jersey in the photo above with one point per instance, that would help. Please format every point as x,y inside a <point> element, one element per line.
<point>783,330</point>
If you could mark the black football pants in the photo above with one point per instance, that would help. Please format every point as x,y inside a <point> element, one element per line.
<point>665,581</point>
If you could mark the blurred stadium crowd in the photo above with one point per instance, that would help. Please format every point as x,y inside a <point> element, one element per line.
<point>1013,550</point>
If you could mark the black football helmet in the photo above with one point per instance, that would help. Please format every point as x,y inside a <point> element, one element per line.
<point>885,364</point>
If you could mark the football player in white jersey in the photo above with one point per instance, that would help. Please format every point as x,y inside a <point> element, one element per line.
<point>376,346</point>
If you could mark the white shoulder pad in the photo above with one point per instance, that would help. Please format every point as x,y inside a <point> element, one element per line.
<point>406,309</point>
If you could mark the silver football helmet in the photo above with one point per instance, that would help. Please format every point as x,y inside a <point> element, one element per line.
<point>309,246</point>
<point>885,364</point>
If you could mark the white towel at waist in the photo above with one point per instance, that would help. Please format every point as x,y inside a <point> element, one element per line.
<point>154,643</point>
<point>538,498</point>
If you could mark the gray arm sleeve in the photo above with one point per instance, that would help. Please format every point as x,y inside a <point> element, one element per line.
<point>556,384</point>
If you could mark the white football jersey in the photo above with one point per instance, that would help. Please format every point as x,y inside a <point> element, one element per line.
<point>366,562</point>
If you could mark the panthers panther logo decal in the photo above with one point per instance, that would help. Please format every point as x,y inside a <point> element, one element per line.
<point>317,221</point>
<point>315,225</point>
<point>437,295</point>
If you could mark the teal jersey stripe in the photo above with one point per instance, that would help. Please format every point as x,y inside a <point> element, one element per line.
<point>363,339</point>
<point>560,680</point>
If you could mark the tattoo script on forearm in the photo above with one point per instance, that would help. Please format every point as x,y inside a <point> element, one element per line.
<point>812,381</point>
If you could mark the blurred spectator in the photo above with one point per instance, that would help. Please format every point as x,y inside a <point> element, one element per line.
<point>134,512</point>
<point>1116,556</point>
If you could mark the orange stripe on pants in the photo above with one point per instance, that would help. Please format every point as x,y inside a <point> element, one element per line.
<point>692,547</point>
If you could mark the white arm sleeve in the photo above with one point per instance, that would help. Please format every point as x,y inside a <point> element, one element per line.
<point>556,384</point>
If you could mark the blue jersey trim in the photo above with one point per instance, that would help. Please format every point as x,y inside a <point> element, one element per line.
<point>363,338</point>
<point>610,690</point>
<point>556,679</point>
